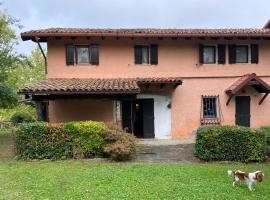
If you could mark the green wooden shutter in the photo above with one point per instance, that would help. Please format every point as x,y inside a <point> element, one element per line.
<point>221,54</point>
<point>153,54</point>
<point>254,53</point>
<point>94,54</point>
<point>232,53</point>
<point>70,49</point>
<point>200,53</point>
<point>138,54</point>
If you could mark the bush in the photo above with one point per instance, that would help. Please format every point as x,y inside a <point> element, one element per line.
<point>88,137</point>
<point>21,117</point>
<point>40,140</point>
<point>230,143</point>
<point>120,145</point>
<point>266,131</point>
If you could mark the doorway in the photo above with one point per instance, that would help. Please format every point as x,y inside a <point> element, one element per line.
<point>242,111</point>
<point>138,117</point>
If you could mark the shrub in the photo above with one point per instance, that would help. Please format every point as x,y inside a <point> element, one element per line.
<point>266,131</point>
<point>88,136</point>
<point>39,140</point>
<point>231,143</point>
<point>120,145</point>
<point>21,117</point>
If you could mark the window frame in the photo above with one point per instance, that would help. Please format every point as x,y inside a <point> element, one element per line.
<point>247,46</point>
<point>152,54</point>
<point>216,97</point>
<point>215,53</point>
<point>76,54</point>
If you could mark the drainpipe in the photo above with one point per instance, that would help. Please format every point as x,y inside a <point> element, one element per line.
<point>43,54</point>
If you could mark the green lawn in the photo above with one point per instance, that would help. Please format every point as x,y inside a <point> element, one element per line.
<point>93,180</point>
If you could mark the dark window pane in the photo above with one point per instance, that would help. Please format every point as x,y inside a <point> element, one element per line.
<point>241,54</point>
<point>82,55</point>
<point>209,54</point>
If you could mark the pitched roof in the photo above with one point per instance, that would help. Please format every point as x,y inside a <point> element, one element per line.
<point>251,80</point>
<point>83,86</point>
<point>146,32</point>
<point>93,86</point>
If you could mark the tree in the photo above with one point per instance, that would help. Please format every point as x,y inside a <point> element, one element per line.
<point>27,73</point>
<point>8,57</point>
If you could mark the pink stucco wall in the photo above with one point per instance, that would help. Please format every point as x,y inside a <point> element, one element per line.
<point>177,58</point>
<point>80,109</point>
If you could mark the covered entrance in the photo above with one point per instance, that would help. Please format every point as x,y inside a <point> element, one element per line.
<point>242,103</point>
<point>142,106</point>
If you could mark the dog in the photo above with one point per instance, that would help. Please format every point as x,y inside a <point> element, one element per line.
<point>249,178</point>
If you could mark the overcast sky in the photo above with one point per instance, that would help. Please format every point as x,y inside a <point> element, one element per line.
<point>37,14</point>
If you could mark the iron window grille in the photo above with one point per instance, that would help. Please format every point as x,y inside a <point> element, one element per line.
<point>210,110</point>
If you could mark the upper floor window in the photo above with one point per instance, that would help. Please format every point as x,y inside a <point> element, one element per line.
<point>145,54</point>
<point>243,53</point>
<point>82,54</point>
<point>209,54</point>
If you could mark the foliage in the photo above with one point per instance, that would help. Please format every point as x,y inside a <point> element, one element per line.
<point>8,57</point>
<point>266,131</point>
<point>8,98</point>
<point>39,140</point>
<point>88,136</point>
<point>22,117</point>
<point>28,73</point>
<point>6,114</point>
<point>98,180</point>
<point>120,145</point>
<point>230,143</point>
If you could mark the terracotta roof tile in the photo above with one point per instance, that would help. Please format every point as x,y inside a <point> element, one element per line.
<point>93,86</point>
<point>243,81</point>
<point>145,32</point>
<point>96,86</point>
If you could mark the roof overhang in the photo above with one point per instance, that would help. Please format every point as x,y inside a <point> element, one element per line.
<point>58,33</point>
<point>251,80</point>
<point>80,87</point>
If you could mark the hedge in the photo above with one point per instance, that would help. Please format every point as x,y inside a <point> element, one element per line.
<point>266,131</point>
<point>87,136</point>
<point>40,140</point>
<point>230,143</point>
<point>120,145</point>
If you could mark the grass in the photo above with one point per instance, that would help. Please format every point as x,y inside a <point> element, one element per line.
<point>93,180</point>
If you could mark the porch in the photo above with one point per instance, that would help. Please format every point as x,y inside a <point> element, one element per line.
<point>140,106</point>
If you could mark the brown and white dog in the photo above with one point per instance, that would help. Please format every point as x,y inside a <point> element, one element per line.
<point>249,178</point>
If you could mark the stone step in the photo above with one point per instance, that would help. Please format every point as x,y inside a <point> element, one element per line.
<point>165,153</point>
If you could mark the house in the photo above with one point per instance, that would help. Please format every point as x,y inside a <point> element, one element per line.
<point>155,83</point>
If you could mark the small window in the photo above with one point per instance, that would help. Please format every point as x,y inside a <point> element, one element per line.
<point>210,107</point>
<point>209,54</point>
<point>145,54</point>
<point>82,55</point>
<point>241,54</point>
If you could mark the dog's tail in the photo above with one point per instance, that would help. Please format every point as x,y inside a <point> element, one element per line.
<point>230,173</point>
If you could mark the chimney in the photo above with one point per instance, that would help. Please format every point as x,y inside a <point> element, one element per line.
<point>267,25</point>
